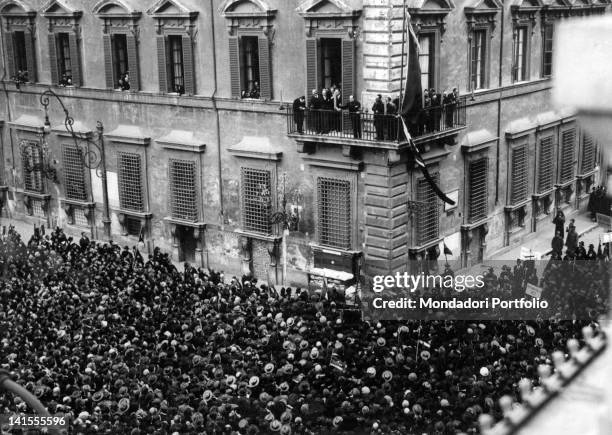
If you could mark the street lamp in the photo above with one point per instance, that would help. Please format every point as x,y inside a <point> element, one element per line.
<point>91,150</point>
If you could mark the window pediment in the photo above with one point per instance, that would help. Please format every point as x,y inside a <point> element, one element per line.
<point>430,13</point>
<point>59,8</point>
<point>115,8</point>
<point>329,15</point>
<point>481,12</point>
<point>173,15</point>
<point>16,8</point>
<point>247,14</point>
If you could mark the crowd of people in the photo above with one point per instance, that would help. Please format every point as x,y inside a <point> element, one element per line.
<point>322,114</point>
<point>129,344</point>
<point>575,248</point>
<point>598,202</point>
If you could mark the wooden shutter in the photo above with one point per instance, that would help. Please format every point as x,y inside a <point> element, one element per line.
<point>478,173</point>
<point>568,141</point>
<point>30,56</point>
<point>9,54</point>
<point>265,69</point>
<point>132,59</point>
<point>312,65</point>
<point>519,175</point>
<point>234,65</point>
<point>75,58</point>
<point>108,61</point>
<point>188,66</point>
<point>588,154</point>
<point>348,69</point>
<point>162,66</point>
<point>545,165</point>
<point>53,59</point>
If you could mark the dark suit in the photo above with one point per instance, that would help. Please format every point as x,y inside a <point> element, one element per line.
<point>379,119</point>
<point>354,108</point>
<point>314,114</point>
<point>299,108</point>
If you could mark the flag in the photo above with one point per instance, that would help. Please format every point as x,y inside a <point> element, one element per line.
<point>447,251</point>
<point>141,235</point>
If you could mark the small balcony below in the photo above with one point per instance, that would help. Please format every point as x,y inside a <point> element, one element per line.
<point>367,130</point>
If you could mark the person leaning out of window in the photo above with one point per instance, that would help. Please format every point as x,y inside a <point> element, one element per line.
<point>124,81</point>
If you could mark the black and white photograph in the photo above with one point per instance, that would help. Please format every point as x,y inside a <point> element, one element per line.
<point>305,217</point>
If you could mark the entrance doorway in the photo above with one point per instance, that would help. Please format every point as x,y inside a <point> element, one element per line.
<point>187,244</point>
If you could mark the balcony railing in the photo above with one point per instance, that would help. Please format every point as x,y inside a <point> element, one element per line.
<point>375,128</point>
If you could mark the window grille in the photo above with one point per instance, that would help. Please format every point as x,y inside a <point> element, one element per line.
<point>547,52</point>
<point>519,174</point>
<point>63,51</point>
<point>37,208</point>
<point>478,66</point>
<point>74,174</point>
<point>177,73</point>
<point>428,213</point>
<point>130,181</point>
<point>183,190</point>
<point>588,153</point>
<point>32,174</point>
<point>120,56</point>
<point>568,140</point>
<point>545,174</point>
<point>334,202</point>
<point>478,190</point>
<point>256,198</point>
<point>79,217</point>
<point>133,226</point>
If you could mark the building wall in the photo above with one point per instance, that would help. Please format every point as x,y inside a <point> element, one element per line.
<point>222,123</point>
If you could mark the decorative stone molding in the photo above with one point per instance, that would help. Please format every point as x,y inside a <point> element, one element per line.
<point>430,15</point>
<point>325,16</point>
<point>476,141</point>
<point>181,140</point>
<point>172,15</point>
<point>256,147</point>
<point>143,217</point>
<point>526,11</point>
<point>128,134</point>
<point>350,165</point>
<point>61,17</point>
<point>481,13</point>
<point>70,205</point>
<point>248,15</point>
<point>117,15</point>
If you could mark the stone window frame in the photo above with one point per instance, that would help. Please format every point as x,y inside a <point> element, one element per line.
<point>476,146</point>
<point>19,16</point>
<point>118,17</point>
<point>63,19</point>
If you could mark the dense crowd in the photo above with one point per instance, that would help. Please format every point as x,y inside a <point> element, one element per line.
<point>128,344</point>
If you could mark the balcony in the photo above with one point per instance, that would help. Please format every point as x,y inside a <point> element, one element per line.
<point>366,130</point>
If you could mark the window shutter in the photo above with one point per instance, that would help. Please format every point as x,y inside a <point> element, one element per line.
<point>312,65</point>
<point>188,66</point>
<point>53,59</point>
<point>588,154</point>
<point>234,65</point>
<point>348,69</point>
<point>76,59</point>
<point>545,165</point>
<point>265,69</point>
<point>519,175</point>
<point>568,141</point>
<point>132,59</point>
<point>30,57</point>
<point>161,64</point>
<point>9,54</point>
<point>477,206</point>
<point>427,218</point>
<point>108,61</point>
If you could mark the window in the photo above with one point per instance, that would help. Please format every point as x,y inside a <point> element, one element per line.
<point>547,51</point>
<point>32,161</point>
<point>133,226</point>
<point>175,60</point>
<point>250,67</point>
<point>130,182</point>
<point>74,174</point>
<point>428,215</point>
<point>256,200</point>
<point>120,57</point>
<point>334,218</point>
<point>545,166</point>
<point>478,64</point>
<point>588,154</point>
<point>478,190</point>
<point>519,67</point>
<point>427,60</point>
<point>63,56</point>
<point>519,175</point>
<point>182,190</point>
<point>19,49</point>
<point>568,140</point>
<point>331,62</point>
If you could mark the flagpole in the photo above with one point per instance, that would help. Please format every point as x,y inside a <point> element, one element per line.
<point>401,95</point>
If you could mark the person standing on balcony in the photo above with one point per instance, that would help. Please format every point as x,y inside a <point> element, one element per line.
<point>299,107</point>
<point>337,100</point>
<point>436,111</point>
<point>327,111</point>
<point>425,122</point>
<point>354,109</point>
<point>378,108</point>
<point>314,114</point>
<point>390,119</point>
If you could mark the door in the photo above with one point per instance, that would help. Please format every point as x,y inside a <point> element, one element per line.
<point>187,244</point>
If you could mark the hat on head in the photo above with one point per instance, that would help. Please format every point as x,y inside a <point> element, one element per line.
<point>269,368</point>
<point>123,405</point>
<point>275,425</point>
<point>381,341</point>
<point>253,381</point>
<point>387,375</point>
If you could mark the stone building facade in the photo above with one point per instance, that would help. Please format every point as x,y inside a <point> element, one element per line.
<point>201,149</point>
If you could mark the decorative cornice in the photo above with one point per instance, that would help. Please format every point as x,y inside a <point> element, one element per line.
<point>343,18</point>
<point>347,165</point>
<point>240,16</point>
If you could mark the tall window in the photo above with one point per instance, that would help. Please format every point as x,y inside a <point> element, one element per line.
<point>519,189</point>
<point>478,65</point>
<point>331,62</point>
<point>545,165</point>
<point>256,197</point>
<point>74,174</point>
<point>63,55</point>
<point>478,190</point>
<point>182,176</point>
<point>427,60</point>
<point>547,51</point>
<point>427,216</point>
<point>334,208</point>
<point>588,154</point>
<point>519,67</point>
<point>32,174</point>
<point>120,56</point>
<point>250,66</point>
<point>175,60</point>
<point>19,50</point>
<point>568,144</point>
<point>130,181</point>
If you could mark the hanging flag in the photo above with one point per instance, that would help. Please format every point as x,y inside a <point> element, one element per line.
<point>141,235</point>
<point>447,251</point>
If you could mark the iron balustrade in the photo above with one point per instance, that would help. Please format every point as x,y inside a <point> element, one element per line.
<point>368,126</point>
